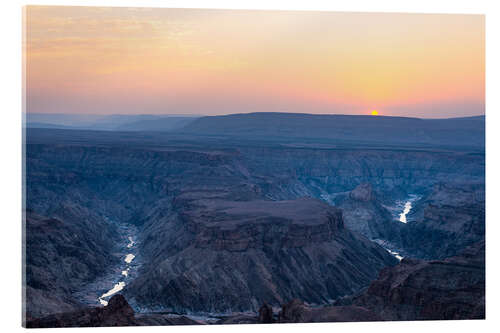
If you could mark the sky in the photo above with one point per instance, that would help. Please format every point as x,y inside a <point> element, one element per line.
<point>99,60</point>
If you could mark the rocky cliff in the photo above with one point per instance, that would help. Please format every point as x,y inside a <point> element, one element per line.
<point>63,253</point>
<point>244,253</point>
<point>210,213</point>
<point>453,288</point>
<point>449,289</point>
<point>447,220</point>
<point>117,313</point>
<point>363,212</point>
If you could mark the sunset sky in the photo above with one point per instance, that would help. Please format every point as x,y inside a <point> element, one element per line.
<point>101,60</point>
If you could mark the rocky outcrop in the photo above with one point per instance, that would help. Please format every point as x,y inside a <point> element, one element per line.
<point>446,221</point>
<point>244,253</point>
<point>453,288</point>
<point>286,173</point>
<point>62,254</point>
<point>294,312</point>
<point>266,314</point>
<point>297,312</point>
<point>362,192</point>
<point>159,319</point>
<point>117,313</point>
<point>449,289</point>
<point>365,214</point>
<point>242,225</point>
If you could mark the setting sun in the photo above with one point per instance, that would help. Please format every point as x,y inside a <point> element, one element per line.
<point>374,113</point>
<point>187,60</point>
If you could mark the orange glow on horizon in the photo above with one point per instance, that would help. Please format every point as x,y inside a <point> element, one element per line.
<point>374,113</point>
<point>153,60</point>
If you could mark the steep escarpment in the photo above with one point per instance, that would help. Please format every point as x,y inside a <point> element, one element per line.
<point>446,221</point>
<point>117,182</point>
<point>211,216</point>
<point>123,180</point>
<point>453,288</point>
<point>442,223</point>
<point>449,289</point>
<point>244,253</point>
<point>364,213</point>
<point>241,225</point>
<point>285,172</point>
<point>63,253</point>
<point>279,170</point>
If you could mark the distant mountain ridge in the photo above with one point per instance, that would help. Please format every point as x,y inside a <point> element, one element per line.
<point>115,122</point>
<point>283,127</point>
<point>468,131</point>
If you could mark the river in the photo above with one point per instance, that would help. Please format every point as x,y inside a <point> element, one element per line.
<point>400,211</point>
<point>129,257</point>
<point>407,207</point>
<point>117,281</point>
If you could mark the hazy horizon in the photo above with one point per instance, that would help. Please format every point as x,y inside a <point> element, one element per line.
<point>235,113</point>
<point>214,62</point>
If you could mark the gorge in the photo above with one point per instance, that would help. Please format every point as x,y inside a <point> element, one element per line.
<point>211,225</point>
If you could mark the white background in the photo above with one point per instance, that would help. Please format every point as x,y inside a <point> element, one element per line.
<point>10,155</point>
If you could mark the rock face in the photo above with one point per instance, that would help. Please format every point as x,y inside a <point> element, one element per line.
<point>297,312</point>
<point>266,314</point>
<point>63,253</point>
<point>286,173</point>
<point>449,289</point>
<point>365,214</point>
<point>117,313</point>
<point>238,226</point>
<point>362,192</point>
<point>209,212</point>
<point>294,312</point>
<point>442,223</point>
<point>243,253</point>
<point>446,221</point>
<point>162,319</point>
<point>453,288</point>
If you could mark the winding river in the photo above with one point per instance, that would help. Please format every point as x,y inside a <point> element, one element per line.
<point>408,205</point>
<point>129,257</point>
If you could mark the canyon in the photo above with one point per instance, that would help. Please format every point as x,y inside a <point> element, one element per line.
<point>222,224</point>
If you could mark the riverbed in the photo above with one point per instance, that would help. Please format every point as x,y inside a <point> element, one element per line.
<point>129,257</point>
<point>400,212</point>
<point>119,275</point>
